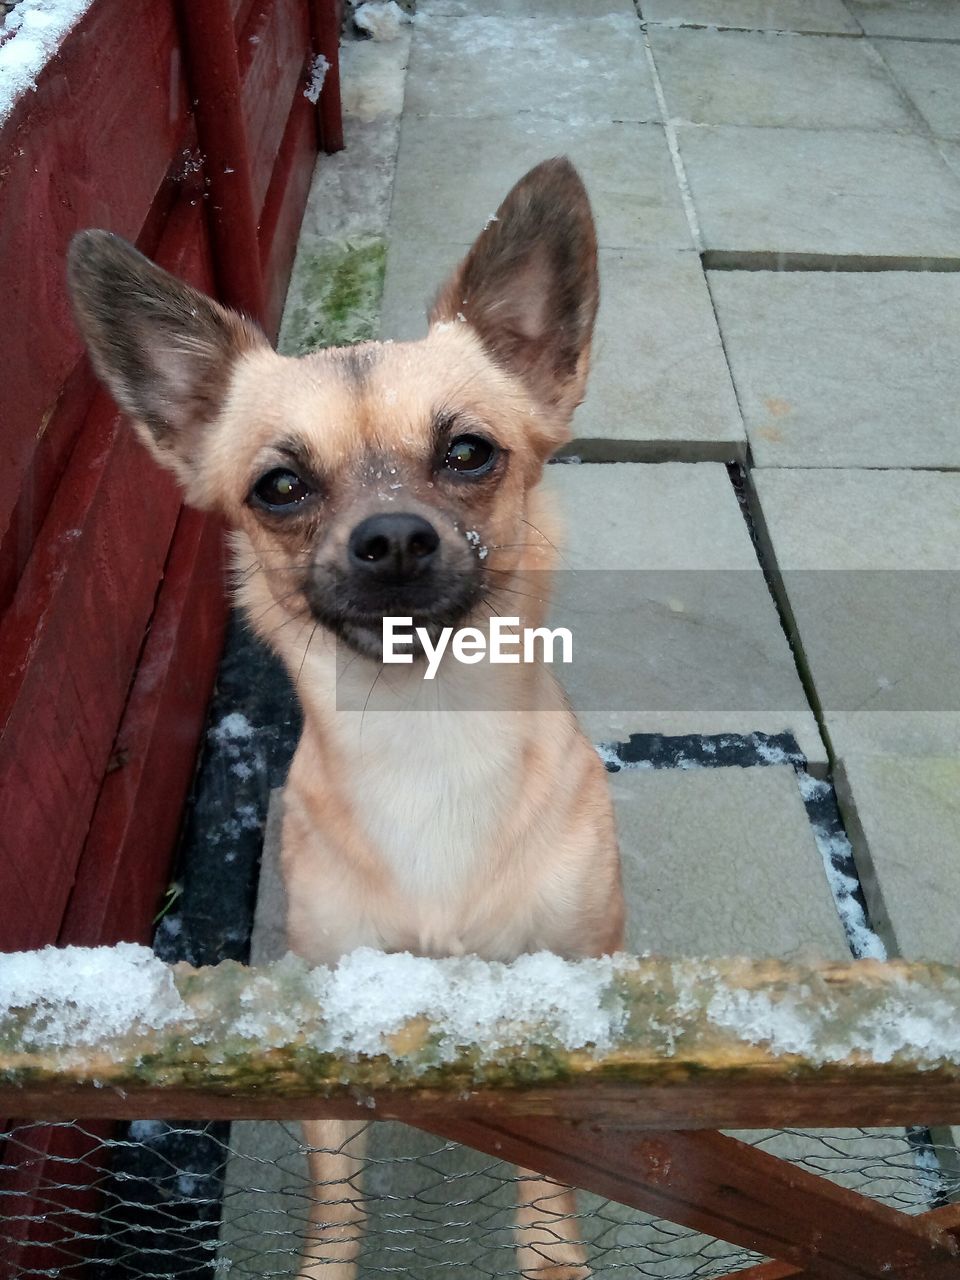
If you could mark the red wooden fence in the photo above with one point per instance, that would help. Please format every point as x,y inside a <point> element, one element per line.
<point>184,127</point>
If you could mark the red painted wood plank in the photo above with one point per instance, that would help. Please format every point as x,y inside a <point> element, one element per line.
<point>283,208</point>
<point>127,855</point>
<point>273,70</point>
<point>56,438</point>
<point>70,642</point>
<point>59,435</point>
<point>74,631</point>
<point>241,10</point>
<point>62,168</point>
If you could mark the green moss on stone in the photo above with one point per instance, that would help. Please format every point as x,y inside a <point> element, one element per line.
<point>335,295</point>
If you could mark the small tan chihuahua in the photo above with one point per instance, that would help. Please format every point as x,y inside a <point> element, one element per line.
<point>399,480</point>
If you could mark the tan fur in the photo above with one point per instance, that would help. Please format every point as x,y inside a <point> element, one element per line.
<point>464,815</point>
<point>410,824</point>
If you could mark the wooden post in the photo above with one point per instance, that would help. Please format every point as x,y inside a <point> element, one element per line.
<point>214,76</point>
<point>326,17</point>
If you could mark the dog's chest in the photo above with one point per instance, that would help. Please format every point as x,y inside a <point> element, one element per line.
<point>428,791</point>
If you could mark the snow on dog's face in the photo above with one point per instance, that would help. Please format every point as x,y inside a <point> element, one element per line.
<point>381,479</point>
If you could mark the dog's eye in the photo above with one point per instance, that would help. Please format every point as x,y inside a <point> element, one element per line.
<point>470,455</point>
<point>281,488</point>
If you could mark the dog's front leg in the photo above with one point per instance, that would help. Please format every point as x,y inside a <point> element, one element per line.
<point>547,1232</point>
<point>335,1220</point>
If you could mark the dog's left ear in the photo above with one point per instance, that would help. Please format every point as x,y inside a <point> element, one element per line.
<point>529,286</point>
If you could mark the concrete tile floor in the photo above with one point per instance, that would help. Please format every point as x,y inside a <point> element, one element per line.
<point>856,177</point>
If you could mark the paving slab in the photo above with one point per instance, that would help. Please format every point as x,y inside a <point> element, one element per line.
<point>659,386</point>
<point>870,565</point>
<point>626,167</point>
<point>929,73</point>
<point>836,192</point>
<point>674,628</point>
<point>499,66</point>
<point>777,80</point>
<point>721,859</point>
<point>826,16</point>
<point>917,19</point>
<point>844,369</point>
<point>903,818</point>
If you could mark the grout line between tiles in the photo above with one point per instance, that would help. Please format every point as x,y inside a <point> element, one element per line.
<point>792,261</point>
<point>670,133</point>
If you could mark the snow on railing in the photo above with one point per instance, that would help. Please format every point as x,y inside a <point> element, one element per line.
<point>392,1029</point>
<point>29,38</point>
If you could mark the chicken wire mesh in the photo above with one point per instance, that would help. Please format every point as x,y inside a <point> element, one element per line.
<point>156,1199</point>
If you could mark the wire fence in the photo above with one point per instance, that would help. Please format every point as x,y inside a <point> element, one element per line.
<point>153,1199</point>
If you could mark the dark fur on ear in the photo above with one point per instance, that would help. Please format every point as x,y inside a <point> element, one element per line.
<point>529,285</point>
<point>163,348</point>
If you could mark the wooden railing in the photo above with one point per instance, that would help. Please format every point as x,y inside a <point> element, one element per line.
<point>696,1047</point>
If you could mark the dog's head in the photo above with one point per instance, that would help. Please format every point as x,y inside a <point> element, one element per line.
<point>381,479</point>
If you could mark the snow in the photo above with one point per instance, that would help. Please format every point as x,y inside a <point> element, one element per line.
<point>318,73</point>
<point>38,28</point>
<point>234,727</point>
<point>381,21</point>
<point>143,1130</point>
<point>911,1021</point>
<point>770,753</point>
<point>83,995</point>
<point>428,1011</point>
<point>839,866</point>
<point>473,537</point>
<point>370,996</point>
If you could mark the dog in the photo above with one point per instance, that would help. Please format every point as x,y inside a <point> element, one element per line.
<point>467,814</point>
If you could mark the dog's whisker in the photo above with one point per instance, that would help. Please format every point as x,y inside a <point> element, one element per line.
<point>277,603</point>
<point>380,671</point>
<point>299,616</point>
<point>306,650</point>
<point>548,541</point>
<point>527,595</point>
<point>514,546</point>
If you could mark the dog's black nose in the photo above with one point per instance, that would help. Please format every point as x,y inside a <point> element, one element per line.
<point>393,546</point>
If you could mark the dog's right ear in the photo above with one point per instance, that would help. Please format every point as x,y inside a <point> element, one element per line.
<point>163,349</point>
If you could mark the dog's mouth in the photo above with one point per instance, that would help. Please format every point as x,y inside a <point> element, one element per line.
<point>355,613</point>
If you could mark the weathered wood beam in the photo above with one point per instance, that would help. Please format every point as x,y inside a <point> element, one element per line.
<point>947,1218</point>
<point>691,1044</point>
<point>713,1183</point>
